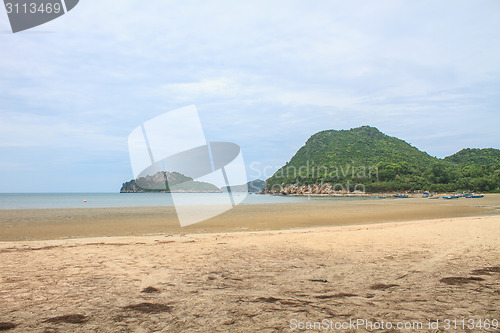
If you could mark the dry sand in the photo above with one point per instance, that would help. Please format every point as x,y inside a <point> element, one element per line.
<point>434,269</point>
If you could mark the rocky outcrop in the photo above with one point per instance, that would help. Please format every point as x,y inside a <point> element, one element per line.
<point>166,182</point>
<point>317,189</point>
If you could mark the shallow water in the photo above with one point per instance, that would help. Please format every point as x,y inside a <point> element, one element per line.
<point>98,200</point>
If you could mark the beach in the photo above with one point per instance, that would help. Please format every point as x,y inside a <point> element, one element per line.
<point>256,268</point>
<point>62,223</point>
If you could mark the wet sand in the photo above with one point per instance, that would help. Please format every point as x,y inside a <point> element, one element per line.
<point>40,224</point>
<point>421,270</point>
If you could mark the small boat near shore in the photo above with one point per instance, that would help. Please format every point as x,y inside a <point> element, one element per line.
<point>475,196</point>
<point>400,195</point>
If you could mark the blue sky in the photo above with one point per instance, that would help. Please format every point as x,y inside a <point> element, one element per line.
<point>263,74</point>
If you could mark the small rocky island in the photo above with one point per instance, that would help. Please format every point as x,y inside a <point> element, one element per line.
<point>167,182</point>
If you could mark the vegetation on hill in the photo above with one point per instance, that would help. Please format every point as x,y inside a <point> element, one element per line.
<point>474,156</point>
<point>380,163</point>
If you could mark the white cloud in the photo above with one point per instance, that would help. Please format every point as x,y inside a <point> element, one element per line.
<point>22,130</point>
<point>206,88</point>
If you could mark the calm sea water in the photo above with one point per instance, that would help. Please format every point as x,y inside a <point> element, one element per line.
<point>96,200</point>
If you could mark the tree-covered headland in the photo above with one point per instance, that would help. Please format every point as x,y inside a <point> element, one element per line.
<point>365,158</point>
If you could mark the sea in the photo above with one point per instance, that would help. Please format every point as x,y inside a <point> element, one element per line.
<point>101,200</point>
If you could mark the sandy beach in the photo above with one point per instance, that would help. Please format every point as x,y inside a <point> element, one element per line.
<point>43,224</point>
<point>266,268</point>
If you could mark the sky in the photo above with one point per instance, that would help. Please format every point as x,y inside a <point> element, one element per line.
<point>265,75</point>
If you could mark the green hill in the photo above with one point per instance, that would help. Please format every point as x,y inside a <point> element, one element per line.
<point>378,162</point>
<point>362,145</point>
<point>488,156</point>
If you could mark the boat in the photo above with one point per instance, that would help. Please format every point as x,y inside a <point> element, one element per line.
<point>475,196</point>
<point>400,195</point>
<point>434,197</point>
<point>450,197</point>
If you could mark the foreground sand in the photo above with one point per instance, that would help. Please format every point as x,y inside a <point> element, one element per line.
<point>255,281</point>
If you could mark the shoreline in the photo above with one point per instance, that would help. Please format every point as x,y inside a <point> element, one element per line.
<point>44,224</point>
